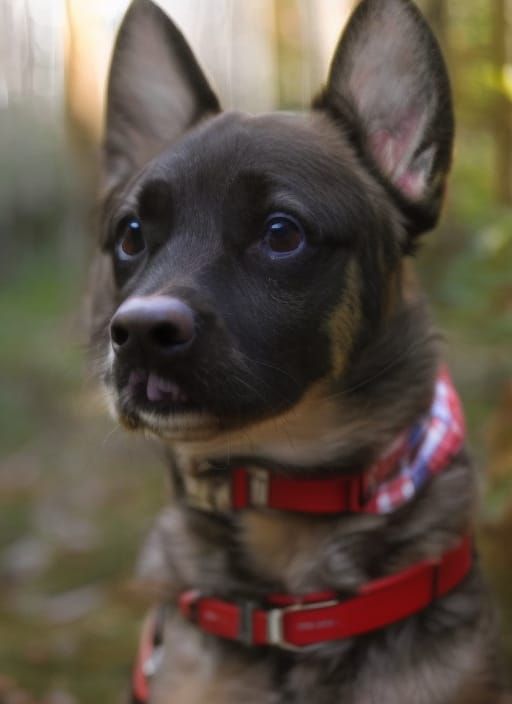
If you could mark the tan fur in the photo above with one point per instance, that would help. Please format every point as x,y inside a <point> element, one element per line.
<point>292,436</point>
<point>288,546</point>
<point>344,322</point>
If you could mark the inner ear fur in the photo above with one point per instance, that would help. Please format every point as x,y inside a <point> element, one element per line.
<point>156,91</point>
<point>389,87</point>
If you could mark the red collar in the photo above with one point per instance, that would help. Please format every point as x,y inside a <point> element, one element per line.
<point>293,623</point>
<point>417,454</point>
<point>149,654</point>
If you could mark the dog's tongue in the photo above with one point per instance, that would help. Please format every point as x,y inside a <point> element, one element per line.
<point>159,389</point>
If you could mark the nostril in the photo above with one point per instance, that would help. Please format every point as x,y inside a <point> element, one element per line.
<point>166,335</point>
<point>119,334</point>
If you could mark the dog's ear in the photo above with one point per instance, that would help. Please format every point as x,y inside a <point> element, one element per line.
<point>388,82</point>
<point>156,91</point>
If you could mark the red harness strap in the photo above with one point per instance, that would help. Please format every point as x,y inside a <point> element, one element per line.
<point>295,622</point>
<point>148,654</point>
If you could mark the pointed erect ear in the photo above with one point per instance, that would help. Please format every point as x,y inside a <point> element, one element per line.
<point>388,79</point>
<point>156,91</point>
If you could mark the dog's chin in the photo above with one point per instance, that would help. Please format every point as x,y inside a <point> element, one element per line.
<point>173,422</point>
<point>179,426</point>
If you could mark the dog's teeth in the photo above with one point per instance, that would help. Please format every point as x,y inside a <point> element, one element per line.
<point>137,378</point>
<point>159,389</point>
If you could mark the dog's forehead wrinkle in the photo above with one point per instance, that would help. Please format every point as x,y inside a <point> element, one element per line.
<point>233,142</point>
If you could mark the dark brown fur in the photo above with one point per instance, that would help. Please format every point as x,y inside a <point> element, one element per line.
<point>315,362</point>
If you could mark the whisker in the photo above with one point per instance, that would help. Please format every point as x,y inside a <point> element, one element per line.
<point>110,434</point>
<point>368,380</point>
<point>270,366</point>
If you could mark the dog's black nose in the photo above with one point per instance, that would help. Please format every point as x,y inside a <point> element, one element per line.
<point>154,326</point>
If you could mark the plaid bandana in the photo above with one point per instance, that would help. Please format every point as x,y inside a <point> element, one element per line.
<point>419,453</point>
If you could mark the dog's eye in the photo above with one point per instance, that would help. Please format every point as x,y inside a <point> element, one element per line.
<point>283,235</point>
<point>131,241</point>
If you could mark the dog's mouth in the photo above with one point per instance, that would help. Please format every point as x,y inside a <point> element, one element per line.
<point>151,389</point>
<point>147,399</point>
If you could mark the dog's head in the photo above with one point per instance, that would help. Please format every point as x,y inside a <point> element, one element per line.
<point>249,260</point>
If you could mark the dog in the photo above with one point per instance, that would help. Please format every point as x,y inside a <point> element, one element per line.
<point>256,310</point>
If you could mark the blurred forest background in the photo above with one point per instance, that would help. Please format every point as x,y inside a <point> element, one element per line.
<point>76,495</point>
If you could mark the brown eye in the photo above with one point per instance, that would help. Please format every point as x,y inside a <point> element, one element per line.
<point>131,241</point>
<point>284,236</point>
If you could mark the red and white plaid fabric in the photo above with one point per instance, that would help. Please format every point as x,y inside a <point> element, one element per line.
<point>419,453</point>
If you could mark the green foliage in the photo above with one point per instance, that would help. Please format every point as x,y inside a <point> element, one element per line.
<point>75,501</point>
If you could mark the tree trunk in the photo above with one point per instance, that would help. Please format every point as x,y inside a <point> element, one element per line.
<point>502,109</point>
<point>436,12</point>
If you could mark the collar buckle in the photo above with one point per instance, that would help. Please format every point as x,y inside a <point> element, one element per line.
<point>206,494</point>
<point>258,487</point>
<point>275,623</point>
<point>245,630</point>
<point>152,663</point>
